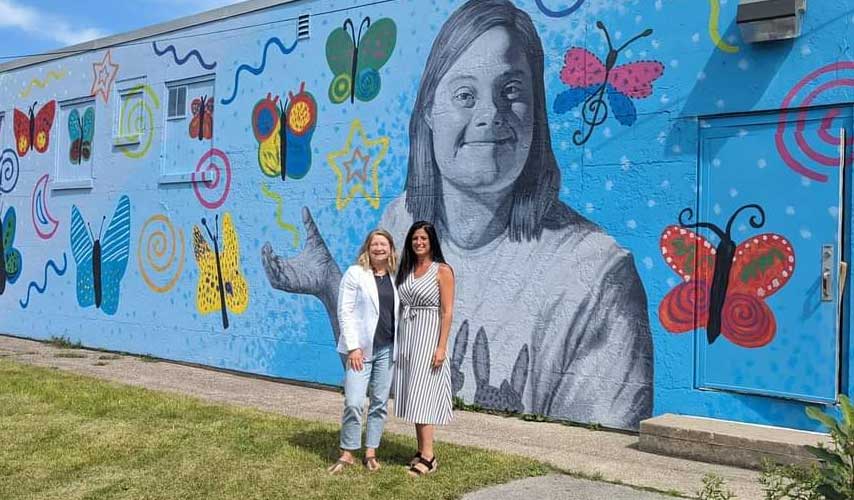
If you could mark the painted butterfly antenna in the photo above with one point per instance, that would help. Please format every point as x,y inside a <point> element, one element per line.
<point>208,229</point>
<point>349,22</point>
<point>290,94</point>
<point>91,234</point>
<point>216,223</point>
<point>103,219</point>
<point>644,33</point>
<point>366,23</point>
<point>601,26</point>
<point>754,222</point>
<point>687,214</point>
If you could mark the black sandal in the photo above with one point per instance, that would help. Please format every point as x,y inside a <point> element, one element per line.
<point>430,465</point>
<point>414,460</point>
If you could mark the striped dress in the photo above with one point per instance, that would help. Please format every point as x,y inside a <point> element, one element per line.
<point>422,394</point>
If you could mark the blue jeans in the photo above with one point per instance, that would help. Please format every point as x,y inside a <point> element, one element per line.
<point>374,378</point>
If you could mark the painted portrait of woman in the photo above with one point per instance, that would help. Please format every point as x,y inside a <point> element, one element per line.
<point>551,316</point>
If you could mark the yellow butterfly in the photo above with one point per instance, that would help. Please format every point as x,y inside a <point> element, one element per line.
<point>221,285</point>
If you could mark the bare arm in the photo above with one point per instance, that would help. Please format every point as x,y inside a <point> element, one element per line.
<point>446,312</point>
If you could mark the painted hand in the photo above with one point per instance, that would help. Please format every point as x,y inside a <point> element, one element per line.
<point>312,272</point>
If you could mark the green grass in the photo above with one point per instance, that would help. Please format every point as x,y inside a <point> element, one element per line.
<point>74,437</point>
<point>64,342</point>
<point>69,355</point>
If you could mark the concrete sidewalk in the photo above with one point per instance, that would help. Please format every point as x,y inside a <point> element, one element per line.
<point>612,456</point>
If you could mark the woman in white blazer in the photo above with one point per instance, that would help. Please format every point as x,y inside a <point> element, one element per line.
<point>367,315</point>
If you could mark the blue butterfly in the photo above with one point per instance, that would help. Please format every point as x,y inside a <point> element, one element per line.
<point>10,257</point>
<point>101,265</point>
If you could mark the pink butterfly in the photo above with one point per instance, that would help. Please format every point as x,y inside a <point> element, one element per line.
<point>589,79</point>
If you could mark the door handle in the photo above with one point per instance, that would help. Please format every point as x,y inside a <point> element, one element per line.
<point>827,273</point>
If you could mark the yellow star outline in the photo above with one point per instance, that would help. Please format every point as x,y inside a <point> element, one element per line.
<point>347,156</point>
<point>105,73</point>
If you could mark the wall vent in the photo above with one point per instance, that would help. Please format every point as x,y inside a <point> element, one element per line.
<point>303,27</point>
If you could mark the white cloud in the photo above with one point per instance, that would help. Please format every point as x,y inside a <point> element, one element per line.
<point>44,24</point>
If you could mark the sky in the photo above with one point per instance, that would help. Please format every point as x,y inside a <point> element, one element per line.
<point>34,26</point>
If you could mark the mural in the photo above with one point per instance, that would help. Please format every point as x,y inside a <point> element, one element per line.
<point>714,31</point>
<point>43,222</point>
<point>725,286</point>
<point>180,61</point>
<point>201,126</point>
<point>81,131</point>
<point>10,257</point>
<point>163,261</point>
<point>41,288</point>
<point>33,131</point>
<point>820,151</point>
<point>356,74</point>
<point>283,132</point>
<point>356,166</point>
<point>10,171</point>
<point>498,174</point>
<point>136,119</point>
<point>260,68</point>
<point>36,83</point>
<point>101,265</point>
<point>104,74</point>
<point>543,138</point>
<point>589,80</point>
<point>221,284</point>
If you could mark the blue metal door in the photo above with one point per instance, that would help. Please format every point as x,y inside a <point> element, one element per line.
<point>769,242</point>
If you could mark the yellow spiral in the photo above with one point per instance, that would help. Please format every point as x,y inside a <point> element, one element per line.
<point>137,117</point>
<point>163,262</point>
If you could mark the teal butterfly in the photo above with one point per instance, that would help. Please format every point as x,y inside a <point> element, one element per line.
<point>101,264</point>
<point>10,257</point>
<point>355,59</point>
<point>80,134</point>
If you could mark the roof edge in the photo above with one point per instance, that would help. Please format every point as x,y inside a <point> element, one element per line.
<point>190,21</point>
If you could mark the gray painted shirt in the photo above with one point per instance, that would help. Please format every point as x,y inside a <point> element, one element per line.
<point>556,326</point>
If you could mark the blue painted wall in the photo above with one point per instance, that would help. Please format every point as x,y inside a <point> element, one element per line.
<point>580,317</point>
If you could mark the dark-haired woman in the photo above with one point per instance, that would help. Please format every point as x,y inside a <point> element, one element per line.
<point>422,375</point>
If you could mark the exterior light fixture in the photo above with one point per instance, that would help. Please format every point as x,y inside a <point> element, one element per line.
<point>767,20</point>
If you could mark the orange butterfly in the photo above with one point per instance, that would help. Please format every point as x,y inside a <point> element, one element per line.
<point>201,126</point>
<point>34,131</point>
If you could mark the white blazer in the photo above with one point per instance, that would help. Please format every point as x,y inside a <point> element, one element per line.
<point>359,311</point>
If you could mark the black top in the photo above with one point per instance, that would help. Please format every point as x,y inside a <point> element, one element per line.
<point>384,334</point>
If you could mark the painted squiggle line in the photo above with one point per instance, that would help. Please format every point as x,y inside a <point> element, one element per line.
<point>180,61</point>
<point>260,69</point>
<point>279,204</point>
<point>559,13</point>
<point>35,82</point>
<point>43,287</point>
<point>714,32</point>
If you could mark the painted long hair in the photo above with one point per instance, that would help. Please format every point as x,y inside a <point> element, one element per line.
<point>364,258</point>
<point>407,259</point>
<point>535,193</point>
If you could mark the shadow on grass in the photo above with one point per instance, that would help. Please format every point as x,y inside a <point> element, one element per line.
<point>393,450</point>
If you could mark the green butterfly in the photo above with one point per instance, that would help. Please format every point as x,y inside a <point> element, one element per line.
<point>10,258</point>
<point>80,134</point>
<point>355,60</point>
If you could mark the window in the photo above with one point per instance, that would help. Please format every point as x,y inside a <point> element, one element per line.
<point>130,122</point>
<point>75,144</point>
<point>177,102</point>
<point>189,130</point>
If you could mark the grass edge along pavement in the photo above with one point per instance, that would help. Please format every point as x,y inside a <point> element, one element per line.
<point>73,436</point>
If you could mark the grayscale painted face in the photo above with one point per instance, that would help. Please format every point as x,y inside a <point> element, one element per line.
<point>482,116</point>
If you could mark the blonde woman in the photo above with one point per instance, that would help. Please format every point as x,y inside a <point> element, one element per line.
<point>367,315</point>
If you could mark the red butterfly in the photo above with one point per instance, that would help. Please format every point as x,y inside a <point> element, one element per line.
<point>34,131</point>
<point>201,126</point>
<point>724,288</point>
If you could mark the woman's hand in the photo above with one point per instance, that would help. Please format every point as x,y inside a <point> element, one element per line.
<point>438,357</point>
<point>355,360</point>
